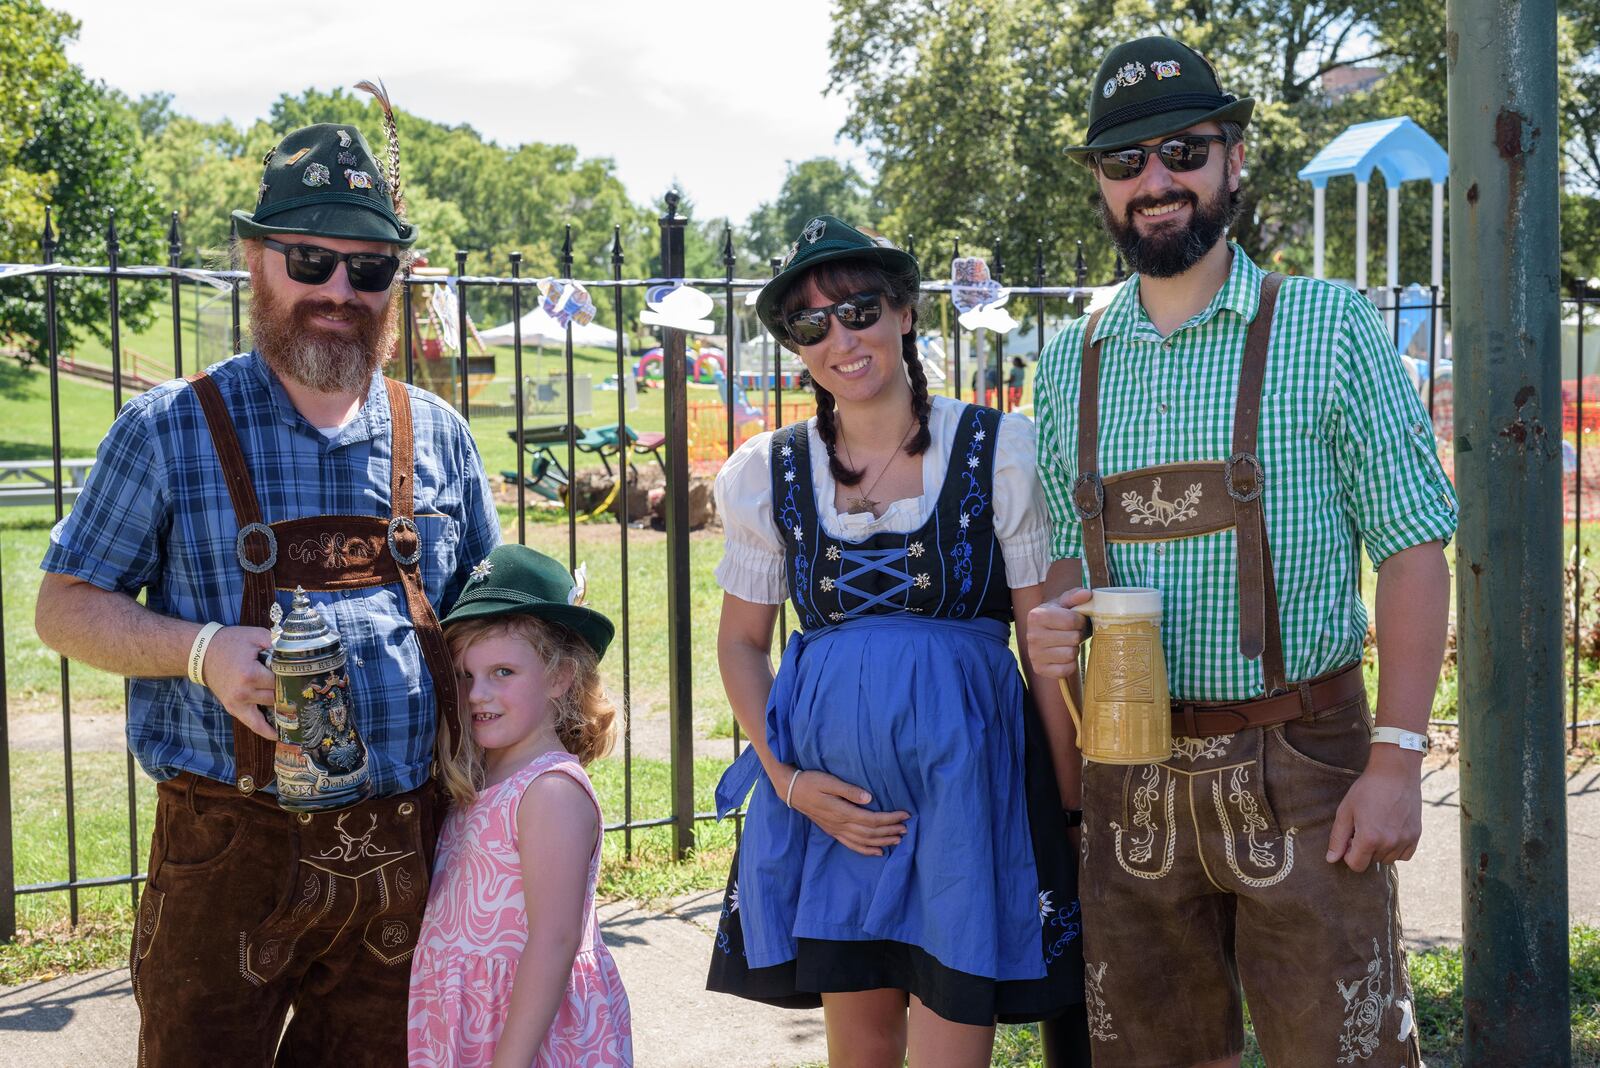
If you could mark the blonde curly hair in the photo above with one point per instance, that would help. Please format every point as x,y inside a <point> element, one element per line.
<point>585,717</point>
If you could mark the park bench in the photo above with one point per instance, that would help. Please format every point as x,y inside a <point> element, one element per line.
<point>32,482</point>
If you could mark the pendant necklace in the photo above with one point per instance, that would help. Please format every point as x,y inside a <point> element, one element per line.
<point>864,502</point>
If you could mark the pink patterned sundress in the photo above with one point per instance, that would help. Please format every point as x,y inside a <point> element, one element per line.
<point>473,935</point>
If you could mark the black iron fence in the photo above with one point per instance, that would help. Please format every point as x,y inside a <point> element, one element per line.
<point>1417,318</point>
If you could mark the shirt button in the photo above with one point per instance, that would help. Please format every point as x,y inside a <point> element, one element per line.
<point>1162,407</point>
<point>358,662</point>
<point>1161,550</point>
<point>1417,428</point>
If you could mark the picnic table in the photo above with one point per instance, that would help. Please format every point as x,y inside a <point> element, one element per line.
<point>33,482</point>
<point>548,476</point>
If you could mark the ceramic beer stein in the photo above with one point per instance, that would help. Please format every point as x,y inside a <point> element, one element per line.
<point>321,761</point>
<point>1127,710</point>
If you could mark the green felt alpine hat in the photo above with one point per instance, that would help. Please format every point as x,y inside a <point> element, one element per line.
<point>1150,88</point>
<point>515,579</point>
<point>823,240</point>
<point>324,181</point>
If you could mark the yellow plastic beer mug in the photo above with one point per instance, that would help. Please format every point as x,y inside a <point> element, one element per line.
<point>1127,711</point>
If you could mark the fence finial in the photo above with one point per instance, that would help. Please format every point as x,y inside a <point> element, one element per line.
<point>174,241</point>
<point>727,248</point>
<point>48,240</point>
<point>672,203</point>
<point>566,253</point>
<point>616,245</point>
<point>113,243</point>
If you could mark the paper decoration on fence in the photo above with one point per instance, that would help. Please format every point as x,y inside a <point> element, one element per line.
<point>566,302</point>
<point>970,284</point>
<point>678,307</point>
<point>443,304</point>
<point>989,317</point>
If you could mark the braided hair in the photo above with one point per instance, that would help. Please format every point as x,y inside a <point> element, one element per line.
<point>836,281</point>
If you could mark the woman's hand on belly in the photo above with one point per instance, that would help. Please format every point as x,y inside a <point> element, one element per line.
<point>837,807</point>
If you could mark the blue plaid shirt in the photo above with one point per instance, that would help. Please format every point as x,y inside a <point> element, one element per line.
<point>155,516</point>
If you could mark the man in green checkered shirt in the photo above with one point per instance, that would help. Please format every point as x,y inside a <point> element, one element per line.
<point>1260,855</point>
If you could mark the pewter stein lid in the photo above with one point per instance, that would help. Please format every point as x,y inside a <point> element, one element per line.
<point>303,634</point>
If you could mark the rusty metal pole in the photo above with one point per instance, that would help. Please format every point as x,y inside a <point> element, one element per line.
<point>1504,157</point>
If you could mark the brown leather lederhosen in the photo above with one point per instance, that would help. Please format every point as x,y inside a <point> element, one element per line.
<point>344,552</point>
<point>1185,500</point>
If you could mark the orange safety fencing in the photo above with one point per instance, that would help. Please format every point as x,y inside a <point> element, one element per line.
<point>708,425</point>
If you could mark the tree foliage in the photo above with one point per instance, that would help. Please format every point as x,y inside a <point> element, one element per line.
<point>74,148</point>
<point>966,106</point>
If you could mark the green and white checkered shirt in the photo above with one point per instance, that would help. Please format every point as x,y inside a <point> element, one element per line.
<point>1345,442</point>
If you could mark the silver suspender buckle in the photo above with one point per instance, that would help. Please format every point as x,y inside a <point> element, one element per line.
<point>1255,480</point>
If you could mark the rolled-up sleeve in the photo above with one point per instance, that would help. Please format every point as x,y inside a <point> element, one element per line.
<point>1021,524</point>
<point>1057,466</point>
<point>1383,442</point>
<point>751,567</point>
<point>112,538</point>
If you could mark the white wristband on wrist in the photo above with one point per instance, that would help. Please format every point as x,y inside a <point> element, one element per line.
<point>1417,743</point>
<point>789,797</point>
<point>197,652</point>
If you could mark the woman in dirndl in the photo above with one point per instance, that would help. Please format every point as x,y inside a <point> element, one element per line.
<point>905,861</point>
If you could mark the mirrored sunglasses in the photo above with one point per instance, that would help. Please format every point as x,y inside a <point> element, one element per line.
<point>312,265</point>
<point>810,325</point>
<point>1178,154</point>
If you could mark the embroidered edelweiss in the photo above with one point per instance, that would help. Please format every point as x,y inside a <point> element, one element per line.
<point>980,435</point>
<point>972,462</point>
<point>480,571</point>
<point>915,549</point>
<point>1156,510</point>
<point>827,584</point>
<point>923,581</point>
<point>837,617</point>
<point>788,476</point>
<point>1045,906</point>
<point>733,898</point>
<point>964,520</point>
<point>833,552</point>
<point>580,585</point>
<point>799,533</point>
<point>786,451</point>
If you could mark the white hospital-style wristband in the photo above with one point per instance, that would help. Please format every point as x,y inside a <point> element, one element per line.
<point>197,652</point>
<point>1417,743</point>
<point>789,797</point>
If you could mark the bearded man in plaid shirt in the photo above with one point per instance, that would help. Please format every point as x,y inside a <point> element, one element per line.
<point>297,464</point>
<point>1259,859</point>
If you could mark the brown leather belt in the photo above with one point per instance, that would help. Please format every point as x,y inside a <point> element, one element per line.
<point>1202,719</point>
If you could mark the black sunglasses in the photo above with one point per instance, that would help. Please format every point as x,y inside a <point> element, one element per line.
<point>312,265</point>
<point>1178,154</point>
<point>810,325</point>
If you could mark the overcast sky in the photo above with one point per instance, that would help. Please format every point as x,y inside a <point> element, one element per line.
<point>717,94</point>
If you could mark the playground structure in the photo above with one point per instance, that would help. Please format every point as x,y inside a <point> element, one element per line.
<point>436,336</point>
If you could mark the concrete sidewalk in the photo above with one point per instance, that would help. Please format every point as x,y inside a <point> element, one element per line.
<point>89,1020</point>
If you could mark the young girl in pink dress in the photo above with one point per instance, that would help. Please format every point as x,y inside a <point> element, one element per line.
<point>509,970</point>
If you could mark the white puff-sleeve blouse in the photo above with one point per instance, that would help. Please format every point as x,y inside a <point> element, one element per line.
<point>752,557</point>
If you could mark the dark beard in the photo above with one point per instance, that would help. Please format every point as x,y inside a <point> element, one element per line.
<point>1171,251</point>
<point>315,358</point>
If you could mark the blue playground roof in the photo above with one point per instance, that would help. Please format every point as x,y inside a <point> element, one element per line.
<point>1399,148</point>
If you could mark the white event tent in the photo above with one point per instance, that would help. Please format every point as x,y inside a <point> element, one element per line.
<point>540,328</point>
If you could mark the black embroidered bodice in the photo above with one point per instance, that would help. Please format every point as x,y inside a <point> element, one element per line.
<point>950,567</point>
